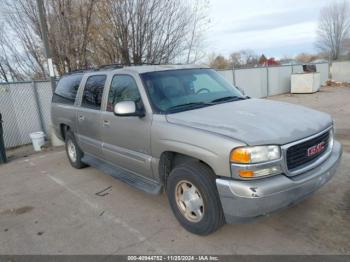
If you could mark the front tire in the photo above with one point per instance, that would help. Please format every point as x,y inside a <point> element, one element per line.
<point>194,198</point>
<point>74,153</point>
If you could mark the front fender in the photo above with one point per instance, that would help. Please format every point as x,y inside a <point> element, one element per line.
<point>211,148</point>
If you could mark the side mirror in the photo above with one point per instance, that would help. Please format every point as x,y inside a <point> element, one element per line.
<point>127,108</point>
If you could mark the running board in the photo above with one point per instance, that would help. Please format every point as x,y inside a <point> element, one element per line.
<point>129,178</point>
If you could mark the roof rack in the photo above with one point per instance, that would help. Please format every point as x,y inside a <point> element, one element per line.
<point>106,67</point>
<point>109,66</point>
<point>77,71</point>
<point>154,64</point>
<point>92,69</point>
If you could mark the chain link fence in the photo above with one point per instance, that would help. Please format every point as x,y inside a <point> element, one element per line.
<point>25,108</point>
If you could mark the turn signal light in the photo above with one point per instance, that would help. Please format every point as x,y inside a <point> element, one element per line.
<point>240,155</point>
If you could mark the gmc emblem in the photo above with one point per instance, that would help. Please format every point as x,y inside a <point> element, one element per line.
<point>315,149</point>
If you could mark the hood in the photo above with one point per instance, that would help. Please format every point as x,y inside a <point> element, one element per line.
<point>256,121</point>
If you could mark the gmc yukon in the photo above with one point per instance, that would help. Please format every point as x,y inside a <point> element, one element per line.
<point>220,156</point>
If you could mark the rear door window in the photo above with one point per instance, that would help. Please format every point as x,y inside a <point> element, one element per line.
<point>67,88</point>
<point>92,95</point>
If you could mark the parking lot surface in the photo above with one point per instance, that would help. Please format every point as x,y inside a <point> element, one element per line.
<point>47,207</point>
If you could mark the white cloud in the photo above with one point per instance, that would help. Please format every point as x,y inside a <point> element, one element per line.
<point>279,27</point>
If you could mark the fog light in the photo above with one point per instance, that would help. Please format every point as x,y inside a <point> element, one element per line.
<point>260,172</point>
<point>246,173</point>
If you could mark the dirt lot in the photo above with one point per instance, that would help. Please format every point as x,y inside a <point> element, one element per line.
<point>47,207</point>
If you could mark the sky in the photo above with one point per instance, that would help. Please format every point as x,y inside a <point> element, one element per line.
<point>276,28</point>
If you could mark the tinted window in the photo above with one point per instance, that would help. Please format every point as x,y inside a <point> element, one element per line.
<point>93,90</point>
<point>123,88</point>
<point>67,88</point>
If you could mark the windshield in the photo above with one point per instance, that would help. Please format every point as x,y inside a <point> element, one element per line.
<point>179,90</point>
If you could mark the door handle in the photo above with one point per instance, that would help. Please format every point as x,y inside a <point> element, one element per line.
<point>106,123</point>
<point>81,118</point>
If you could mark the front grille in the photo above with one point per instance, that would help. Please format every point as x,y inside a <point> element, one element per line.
<point>297,155</point>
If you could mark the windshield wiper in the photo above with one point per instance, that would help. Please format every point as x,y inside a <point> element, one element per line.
<point>188,106</point>
<point>228,99</point>
<point>194,105</point>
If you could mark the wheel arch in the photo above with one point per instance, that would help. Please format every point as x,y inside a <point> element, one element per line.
<point>64,128</point>
<point>170,159</point>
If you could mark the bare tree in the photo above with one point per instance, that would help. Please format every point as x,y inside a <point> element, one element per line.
<point>219,61</point>
<point>70,32</point>
<point>5,64</point>
<point>236,59</point>
<point>69,36</point>
<point>198,26</point>
<point>85,33</point>
<point>103,49</point>
<point>150,31</point>
<point>15,65</point>
<point>333,28</point>
<point>22,28</point>
<point>249,57</point>
<point>244,58</point>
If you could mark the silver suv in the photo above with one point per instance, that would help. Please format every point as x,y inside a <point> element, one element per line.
<point>219,156</point>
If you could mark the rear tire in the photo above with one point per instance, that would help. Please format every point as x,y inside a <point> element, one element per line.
<point>74,153</point>
<point>194,198</point>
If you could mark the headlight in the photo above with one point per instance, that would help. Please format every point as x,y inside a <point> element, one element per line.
<point>252,162</point>
<point>255,154</point>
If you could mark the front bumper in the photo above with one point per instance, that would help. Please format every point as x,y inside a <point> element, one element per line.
<point>244,200</point>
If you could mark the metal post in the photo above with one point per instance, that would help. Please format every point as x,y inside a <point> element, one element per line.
<point>267,80</point>
<point>233,75</point>
<point>44,31</point>
<point>38,106</point>
<point>3,158</point>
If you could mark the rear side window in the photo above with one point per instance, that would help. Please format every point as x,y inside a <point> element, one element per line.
<point>93,91</point>
<point>67,88</point>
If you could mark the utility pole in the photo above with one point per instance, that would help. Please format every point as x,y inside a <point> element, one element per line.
<point>44,32</point>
